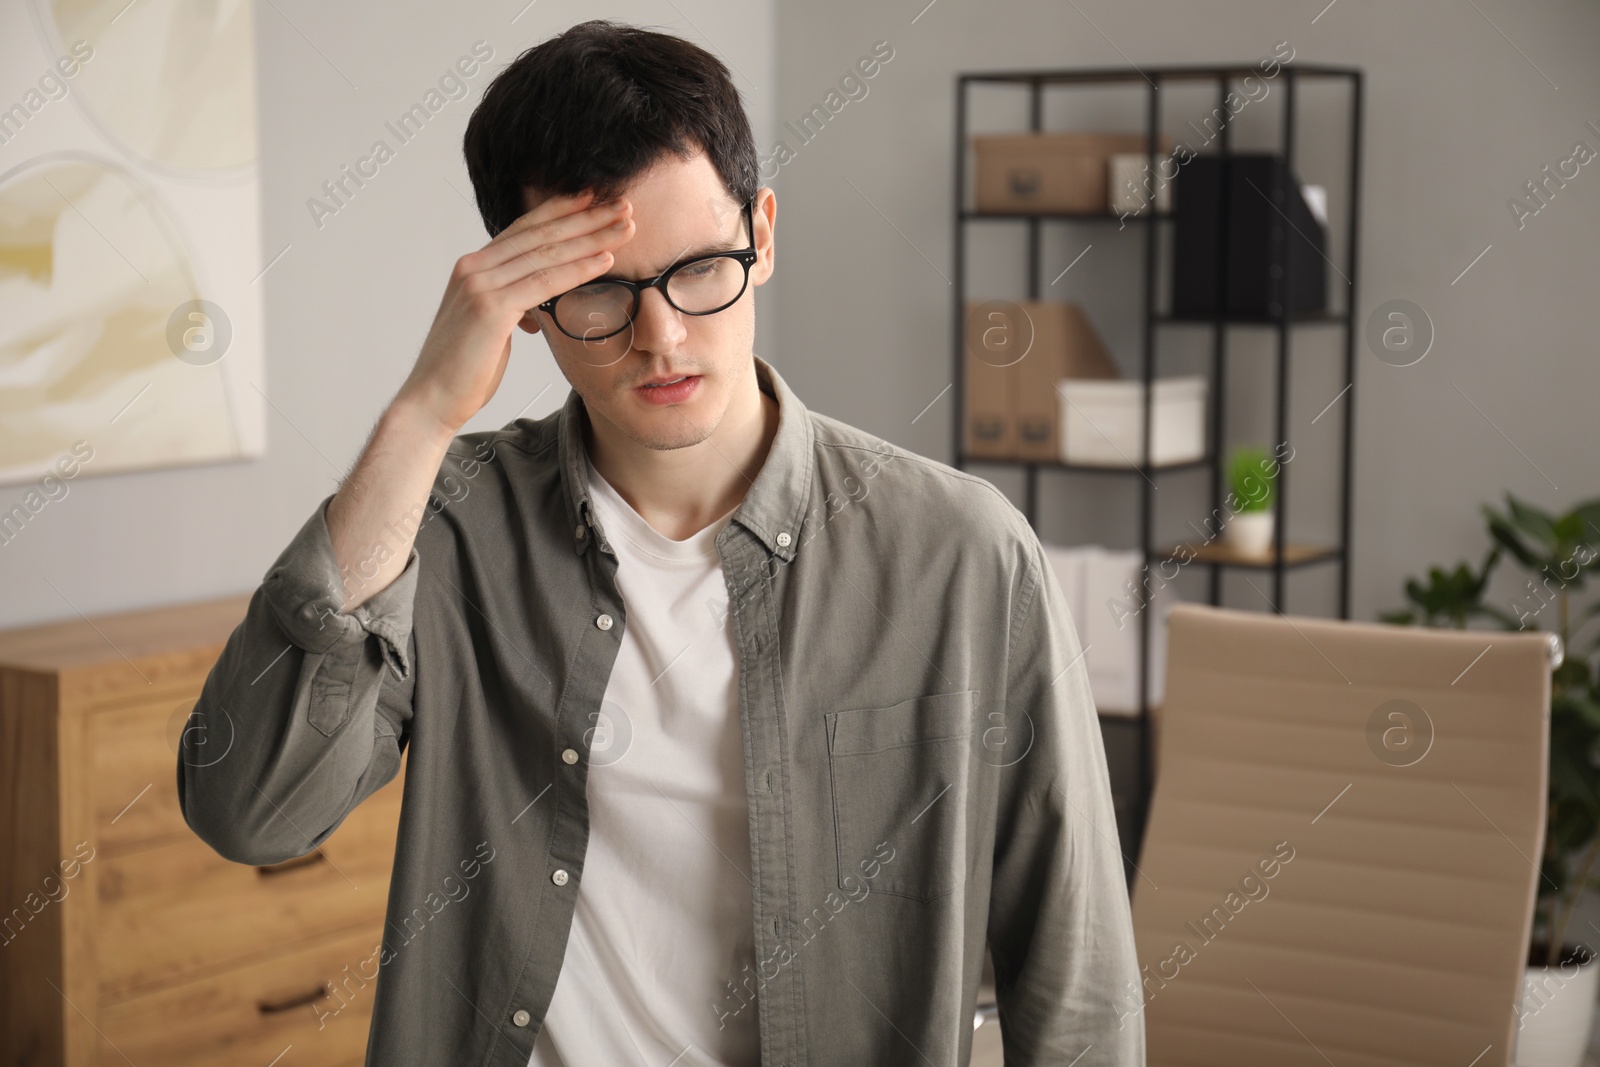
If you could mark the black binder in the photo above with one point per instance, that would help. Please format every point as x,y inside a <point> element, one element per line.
<point>1263,234</point>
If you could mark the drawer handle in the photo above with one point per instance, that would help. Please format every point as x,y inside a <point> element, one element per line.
<point>292,865</point>
<point>273,1007</point>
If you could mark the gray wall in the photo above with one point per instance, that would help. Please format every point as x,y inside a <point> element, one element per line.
<point>1458,118</point>
<point>858,315</point>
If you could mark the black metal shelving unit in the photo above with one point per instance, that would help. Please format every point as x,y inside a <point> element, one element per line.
<point>1150,80</point>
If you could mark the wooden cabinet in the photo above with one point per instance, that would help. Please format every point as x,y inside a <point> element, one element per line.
<point>123,937</point>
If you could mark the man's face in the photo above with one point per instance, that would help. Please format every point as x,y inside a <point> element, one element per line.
<point>678,206</point>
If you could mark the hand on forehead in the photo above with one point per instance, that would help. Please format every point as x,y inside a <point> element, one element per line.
<point>680,209</point>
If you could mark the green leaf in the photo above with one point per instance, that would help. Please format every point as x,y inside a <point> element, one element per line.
<point>1506,534</point>
<point>1569,531</point>
<point>1487,566</point>
<point>1453,597</point>
<point>1577,703</point>
<point>1252,476</point>
<point>1503,617</point>
<point>1588,513</point>
<point>1537,523</point>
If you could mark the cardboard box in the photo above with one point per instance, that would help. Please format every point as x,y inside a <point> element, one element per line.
<point>1065,346</point>
<point>990,377</point>
<point>1050,172</point>
<point>1015,353</point>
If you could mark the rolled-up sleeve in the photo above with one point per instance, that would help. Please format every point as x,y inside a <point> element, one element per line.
<point>1060,928</point>
<point>306,711</point>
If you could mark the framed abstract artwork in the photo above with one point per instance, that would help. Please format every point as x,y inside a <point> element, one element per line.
<point>130,244</point>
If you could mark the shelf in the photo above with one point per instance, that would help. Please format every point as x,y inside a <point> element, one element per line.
<point>1307,318</point>
<point>1143,77</point>
<point>1144,293</point>
<point>1078,216</point>
<point>1224,555</point>
<point>1094,468</point>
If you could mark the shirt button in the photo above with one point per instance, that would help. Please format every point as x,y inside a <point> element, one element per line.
<point>569,756</point>
<point>604,622</point>
<point>560,877</point>
<point>520,1018</point>
<point>783,540</point>
<point>581,532</point>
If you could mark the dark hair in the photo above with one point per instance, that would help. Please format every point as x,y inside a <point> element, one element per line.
<point>595,107</point>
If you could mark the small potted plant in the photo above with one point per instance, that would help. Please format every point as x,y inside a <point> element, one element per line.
<point>1558,553</point>
<point>1252,479</point>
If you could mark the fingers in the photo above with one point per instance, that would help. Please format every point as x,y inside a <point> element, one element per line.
<point>556,241</point>
<point>533,288</point>
<point>558,245</point>
<point>582,247</point>
<point>556,219</point>
<point>554,207</point>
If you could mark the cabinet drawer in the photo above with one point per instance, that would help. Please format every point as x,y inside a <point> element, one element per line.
<point>135,779</point>
<point>305,998</point>
<point>174,909</point>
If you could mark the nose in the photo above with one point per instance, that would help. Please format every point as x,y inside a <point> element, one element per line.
<point>658,327</point>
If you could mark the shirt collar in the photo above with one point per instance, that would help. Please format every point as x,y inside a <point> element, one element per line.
<point>772,509</point>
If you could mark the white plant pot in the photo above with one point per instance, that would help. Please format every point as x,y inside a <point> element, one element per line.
<point>1250,533</point>
<point>1556,1014</point>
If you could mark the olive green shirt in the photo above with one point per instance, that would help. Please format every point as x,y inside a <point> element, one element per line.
<point>923,763</point>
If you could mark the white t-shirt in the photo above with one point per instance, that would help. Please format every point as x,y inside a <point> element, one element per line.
<point>664,918</point>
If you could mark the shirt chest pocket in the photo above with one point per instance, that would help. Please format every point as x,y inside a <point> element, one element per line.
<point>899,776</point>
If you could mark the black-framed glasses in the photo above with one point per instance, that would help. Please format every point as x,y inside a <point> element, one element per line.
<point>704,285</point>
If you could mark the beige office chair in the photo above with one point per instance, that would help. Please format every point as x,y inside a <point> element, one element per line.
<point>1339,865</point>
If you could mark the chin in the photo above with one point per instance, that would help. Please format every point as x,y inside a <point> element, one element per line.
<point>667,442</point>
<point>667,428</point>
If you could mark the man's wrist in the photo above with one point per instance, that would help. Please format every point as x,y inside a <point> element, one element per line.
<point>412,420</point>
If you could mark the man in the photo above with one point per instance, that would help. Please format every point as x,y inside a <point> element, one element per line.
<point>751,729</point>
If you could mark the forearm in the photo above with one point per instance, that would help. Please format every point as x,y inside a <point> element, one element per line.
<point>304,712</point>
<point>293,727</point>
<point>374,517</point>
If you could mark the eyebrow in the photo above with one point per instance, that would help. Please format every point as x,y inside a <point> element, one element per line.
<point>693,253</point>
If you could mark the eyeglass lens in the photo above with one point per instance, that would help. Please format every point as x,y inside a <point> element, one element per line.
<point>601,308</point>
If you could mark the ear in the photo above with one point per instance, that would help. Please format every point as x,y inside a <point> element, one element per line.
<point>529,321</point>
<point>764,220</point>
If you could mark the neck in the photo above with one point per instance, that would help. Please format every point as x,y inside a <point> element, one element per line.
<point>681,491</point>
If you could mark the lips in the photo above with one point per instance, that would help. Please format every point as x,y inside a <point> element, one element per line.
<point>668,391</point>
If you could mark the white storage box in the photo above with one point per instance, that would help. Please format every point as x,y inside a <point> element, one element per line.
<point>1102,422</point>
<point>1134,184</point>
<point>1102,589</point>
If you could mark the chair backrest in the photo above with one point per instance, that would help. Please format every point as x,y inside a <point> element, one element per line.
<point>1340,860</point>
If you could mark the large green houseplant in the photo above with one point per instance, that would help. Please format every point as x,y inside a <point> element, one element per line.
<point>1559,553</point>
